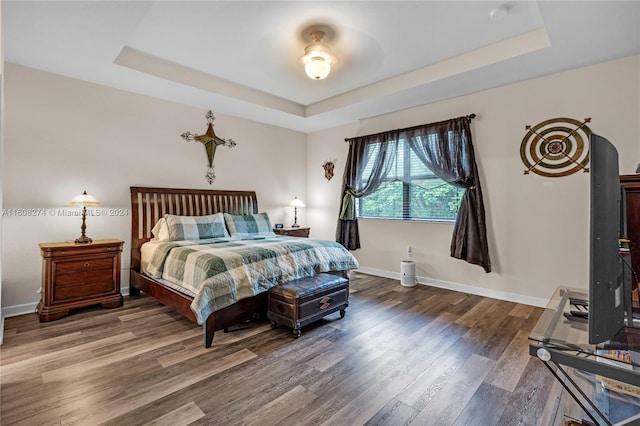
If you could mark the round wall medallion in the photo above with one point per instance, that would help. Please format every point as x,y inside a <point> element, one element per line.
<point>556,147</point>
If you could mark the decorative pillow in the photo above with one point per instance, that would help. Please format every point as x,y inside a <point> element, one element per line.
<point>195,227</point>
<point>248,225</point>
<point>161,231</point>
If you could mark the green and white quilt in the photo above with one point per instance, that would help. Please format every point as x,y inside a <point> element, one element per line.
<point>220,271</point>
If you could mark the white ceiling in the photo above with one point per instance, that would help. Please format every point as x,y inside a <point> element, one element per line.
<point>242,58</point>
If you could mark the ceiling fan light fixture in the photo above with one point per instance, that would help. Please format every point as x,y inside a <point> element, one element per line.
<point>317,68</point>
<point>317,57</point>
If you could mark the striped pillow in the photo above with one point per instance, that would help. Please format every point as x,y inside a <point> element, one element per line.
<point>196,227</point>
<point>248,225</point>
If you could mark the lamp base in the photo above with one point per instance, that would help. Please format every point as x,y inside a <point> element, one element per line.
<point>83,240</point>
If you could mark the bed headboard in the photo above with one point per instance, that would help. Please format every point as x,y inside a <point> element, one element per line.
<point>150,204</point>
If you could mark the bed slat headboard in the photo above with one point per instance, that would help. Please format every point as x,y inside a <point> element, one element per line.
<point>149,204</point>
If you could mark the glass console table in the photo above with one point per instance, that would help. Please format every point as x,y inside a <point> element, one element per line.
<point>603,379</point>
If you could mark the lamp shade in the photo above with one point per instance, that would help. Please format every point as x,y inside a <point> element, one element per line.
<point>84,200</point>
<point>296,203</point>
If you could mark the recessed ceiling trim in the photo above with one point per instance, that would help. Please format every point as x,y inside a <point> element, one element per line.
<point>149,64</point>
<point>255,74</point>
<point>488,55</point>
<point>494,53</point>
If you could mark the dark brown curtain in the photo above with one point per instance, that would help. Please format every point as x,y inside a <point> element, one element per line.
<point>354,185</point>
<point>446,148</point>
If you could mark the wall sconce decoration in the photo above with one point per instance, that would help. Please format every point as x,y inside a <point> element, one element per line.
<point>210,142</point>
<point>328,168</point>
<point>556,147</point>
<point>295,203</point>
<point>84,200</point>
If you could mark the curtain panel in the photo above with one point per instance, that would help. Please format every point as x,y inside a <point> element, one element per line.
<point>446,148</point>
<point>354,185</point>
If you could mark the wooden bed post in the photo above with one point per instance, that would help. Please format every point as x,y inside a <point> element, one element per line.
<point>209,330</point>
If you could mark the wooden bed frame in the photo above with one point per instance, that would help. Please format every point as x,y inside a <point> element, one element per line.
<point>148,205</point>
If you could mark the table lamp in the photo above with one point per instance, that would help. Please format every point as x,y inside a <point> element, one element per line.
<point>295,203</point>
<point>85,200</point>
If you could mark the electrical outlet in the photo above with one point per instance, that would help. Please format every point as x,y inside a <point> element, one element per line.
<point>409,251</point>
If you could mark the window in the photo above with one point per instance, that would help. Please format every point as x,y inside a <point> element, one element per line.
<point>411,191</point>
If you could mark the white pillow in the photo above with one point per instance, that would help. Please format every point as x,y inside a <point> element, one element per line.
<point>160,231</point>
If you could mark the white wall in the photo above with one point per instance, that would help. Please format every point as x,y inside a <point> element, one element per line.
<point>63,136</point>
<point>322,203</point>
<point>538,227</point>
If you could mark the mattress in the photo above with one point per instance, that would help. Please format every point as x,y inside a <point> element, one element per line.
<point>220,271</point>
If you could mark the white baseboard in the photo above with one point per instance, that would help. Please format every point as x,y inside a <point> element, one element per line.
<point>15,310</point>
<point>464,288</point>
<point>30,308</point>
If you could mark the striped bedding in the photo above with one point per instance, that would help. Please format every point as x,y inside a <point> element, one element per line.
<point>221,271</point>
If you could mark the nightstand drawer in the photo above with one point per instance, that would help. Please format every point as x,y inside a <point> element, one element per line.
<point>84,265</point>
<point>89,275</point>
<point>81,291</point>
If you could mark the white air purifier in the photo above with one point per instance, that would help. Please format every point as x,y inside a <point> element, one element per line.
<point>408,272</point>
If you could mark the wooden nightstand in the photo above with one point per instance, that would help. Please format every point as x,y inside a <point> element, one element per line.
<point>78,275</point>
<point>293,232</point>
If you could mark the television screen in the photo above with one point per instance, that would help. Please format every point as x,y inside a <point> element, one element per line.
<point>606,290</point>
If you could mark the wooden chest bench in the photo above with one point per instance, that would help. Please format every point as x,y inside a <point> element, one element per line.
<point>305,300</point>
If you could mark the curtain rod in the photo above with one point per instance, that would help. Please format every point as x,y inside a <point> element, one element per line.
<point>468,117</point>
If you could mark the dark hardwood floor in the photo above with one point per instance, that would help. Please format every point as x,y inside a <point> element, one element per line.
<point>422,356</point>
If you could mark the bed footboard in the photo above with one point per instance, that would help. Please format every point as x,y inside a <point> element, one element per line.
<point>240,312</point>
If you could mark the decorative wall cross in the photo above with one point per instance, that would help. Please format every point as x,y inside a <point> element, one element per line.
<point>210,142</point>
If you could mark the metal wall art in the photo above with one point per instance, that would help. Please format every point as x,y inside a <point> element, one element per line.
<point>556,147</point>
<point>210,142</point>
<point>328,168</point>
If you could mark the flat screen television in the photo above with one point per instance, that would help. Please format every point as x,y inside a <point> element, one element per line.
<point>607,222</point>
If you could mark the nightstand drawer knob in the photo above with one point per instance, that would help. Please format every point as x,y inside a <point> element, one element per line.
<point>86,265</point>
